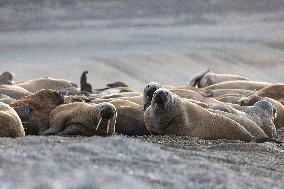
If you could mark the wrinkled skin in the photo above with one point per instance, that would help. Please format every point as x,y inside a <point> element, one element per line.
<point>34,110</point>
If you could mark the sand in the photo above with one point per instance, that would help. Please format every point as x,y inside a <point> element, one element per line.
<point>137,42</point>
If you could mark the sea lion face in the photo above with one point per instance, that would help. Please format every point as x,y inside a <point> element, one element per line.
<point>148,93</point>
<point>267,107</point>
<point>107,119</point>
<point>34,110</point>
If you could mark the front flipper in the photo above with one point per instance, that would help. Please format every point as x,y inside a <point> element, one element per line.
<point>72,130</point>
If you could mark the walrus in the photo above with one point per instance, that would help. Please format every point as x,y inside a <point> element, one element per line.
<point>221,92</point>
<point>82,119</point>
<point>247,85</point>
<point>83,83</point>
<point>34,110</point>
<point>172,115</point>
<point>130,118</point>
<point>7,78</point>
<point>117,84</point>
<point>47,83</point>
<point>14,91</point>
<point>206,79</point>
<point>262,113</point>
<point>6,99</point>
<point>193,96</point>
<point>75,98</point>
<point>10,123</point>
<point>275,91</point>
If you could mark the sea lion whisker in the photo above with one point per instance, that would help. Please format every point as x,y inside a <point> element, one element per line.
<point>99,123</point>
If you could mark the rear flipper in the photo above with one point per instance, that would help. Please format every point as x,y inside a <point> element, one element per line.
<point>71,130</point>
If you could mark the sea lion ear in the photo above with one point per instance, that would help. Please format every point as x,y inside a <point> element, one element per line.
<point>207,93</point>
<point>195,81</point>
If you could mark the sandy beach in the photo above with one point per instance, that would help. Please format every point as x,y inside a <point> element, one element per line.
<point>138,42</point>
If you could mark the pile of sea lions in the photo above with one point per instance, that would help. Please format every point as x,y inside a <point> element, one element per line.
<point>211,106</point>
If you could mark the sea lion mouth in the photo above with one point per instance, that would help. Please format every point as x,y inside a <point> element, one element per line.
<point>102,122</point>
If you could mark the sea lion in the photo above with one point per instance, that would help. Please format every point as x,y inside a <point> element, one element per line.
<point>83,83</point>
<point>7,78</point>
<point>170,114</point>
<point>34,110</point>
<point>247,85</point>
<point>82,119</point>
<point>206,79</point>
<point>248,124</point>
<point>47,83</point>
<point>193,96</point>
<point>10,123</point>
<point>130,118</point>
<point>14,91</point>
<point>262,113</point>
<point>273,91</point>
<point>221,92</point>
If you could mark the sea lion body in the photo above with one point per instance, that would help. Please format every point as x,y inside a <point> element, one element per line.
<point>10,123</point>
<point>130,118</point>
<point>247,85</point>
<point>82,119</point>
<point>169,114</point>
<point>34,110</point>
<point>46,83</point>
<point>206,79</point>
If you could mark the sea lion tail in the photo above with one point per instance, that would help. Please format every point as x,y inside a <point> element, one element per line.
<point>197,79</point>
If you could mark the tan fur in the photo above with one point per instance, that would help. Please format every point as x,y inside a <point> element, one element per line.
<point>85,116</point>
<point>10,123</point>
<point>42,103</point>
<point>14,91</point>
<point>221,92</point>
<point>273,91</point>
<point>247,85</point>
<point>45,83</point>
<point>249,125</point>
<point>193,120</point>
<point>130,118</point>
<point>229,98</point>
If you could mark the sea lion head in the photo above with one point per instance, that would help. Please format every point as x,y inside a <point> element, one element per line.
<point>162,108</point>
<point>266,106</point>
<point>106,119</point>
<point>148,92</point>
<point>34,109</point>
<point>7,78</point>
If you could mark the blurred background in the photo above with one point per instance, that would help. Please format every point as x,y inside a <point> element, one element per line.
<point>140,41</point>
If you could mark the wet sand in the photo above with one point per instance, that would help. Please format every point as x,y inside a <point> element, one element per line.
<point>137,42</point>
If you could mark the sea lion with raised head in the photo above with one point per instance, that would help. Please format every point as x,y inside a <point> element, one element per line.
<point>82,119</point>
<point>172,115</point>
<point>10,123</point>
<point>34,110</point>
<point>85,86</point>
<point>206,79</point>
<point>7,78</point>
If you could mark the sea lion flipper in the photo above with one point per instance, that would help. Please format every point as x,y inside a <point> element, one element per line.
<point>197,79</point>
<point>73,129</point>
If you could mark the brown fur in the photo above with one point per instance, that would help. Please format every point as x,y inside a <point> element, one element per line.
<point>275,92</point>
<point>34,109</point>
<point>182,117</point>
<point>130,118</point>
<point>207,79</point>
<point>221,92</point>
<point>83,118</point>
<point>10,123</point>
<point>46,83</point>
<point>247,85</point>
<point>14,91</point>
